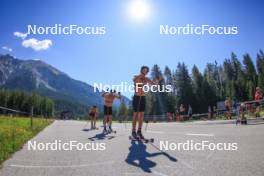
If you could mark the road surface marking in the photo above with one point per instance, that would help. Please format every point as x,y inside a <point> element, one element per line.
<point>158,132</point>
<point>198,134</point>
<point>159,173</point>
<point>62,166</point>
<point>132,173</point>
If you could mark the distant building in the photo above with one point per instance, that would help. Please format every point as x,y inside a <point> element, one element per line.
<point>65,115</point>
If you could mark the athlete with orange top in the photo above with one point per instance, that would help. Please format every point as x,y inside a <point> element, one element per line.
<point>258,97</point>
<point>93,114</point>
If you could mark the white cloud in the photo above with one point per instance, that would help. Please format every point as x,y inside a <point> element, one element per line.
<point>33,43</point>
<point>7,48</point>
<point>20,35</point>
<point>37,45</point>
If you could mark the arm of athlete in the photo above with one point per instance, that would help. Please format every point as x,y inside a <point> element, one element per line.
<point>96,112</point>
<point>103,94</point>
<point>137,78</point>
<point>153,82</point>
<point>118,95</point>
<point>146,80</point>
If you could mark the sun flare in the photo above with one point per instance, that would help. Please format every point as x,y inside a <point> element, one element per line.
<point>139,10</point>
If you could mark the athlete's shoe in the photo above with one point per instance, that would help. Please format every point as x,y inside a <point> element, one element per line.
<point>104,131</point>
<point>139,134</point>
<point>134,135</point>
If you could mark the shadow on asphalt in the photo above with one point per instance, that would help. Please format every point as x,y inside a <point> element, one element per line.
<point>101,136</point>
<point>138,156</point>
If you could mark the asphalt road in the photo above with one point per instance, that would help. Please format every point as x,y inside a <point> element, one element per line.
<point>123,157</point>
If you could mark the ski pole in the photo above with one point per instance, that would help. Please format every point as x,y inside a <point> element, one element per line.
<point>146,125</point>
<point>85,125</point>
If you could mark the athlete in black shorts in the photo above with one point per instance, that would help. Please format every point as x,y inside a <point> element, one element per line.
<point>139,100</point>
<point>108,102</point>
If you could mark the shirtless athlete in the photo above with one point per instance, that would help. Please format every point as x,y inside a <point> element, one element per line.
<point>139,100</point>
<point>93,114</point>
<point>109,97</point>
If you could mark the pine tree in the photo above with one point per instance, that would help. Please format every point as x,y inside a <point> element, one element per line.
<point>199,103</point>
<point>251,76</point>
<point>260,68</point>
<point>213,84</point>
<point>183,85</point>
<point>238,79</point>
<point>122,112</point>
<point>157,98</point>
<point>169,97</point>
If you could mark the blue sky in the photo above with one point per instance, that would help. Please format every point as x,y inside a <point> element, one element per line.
<point>128,44</point>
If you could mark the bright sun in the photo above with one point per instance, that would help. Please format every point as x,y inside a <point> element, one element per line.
<point>139,10</point>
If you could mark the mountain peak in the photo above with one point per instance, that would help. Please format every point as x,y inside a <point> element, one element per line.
<point>40,77</point>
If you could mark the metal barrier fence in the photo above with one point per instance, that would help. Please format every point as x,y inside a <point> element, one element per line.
<point>10,113</point>
<point>14,111</point>
<point>17,112</point>
<point>248,107</point>
<point>10,124</point>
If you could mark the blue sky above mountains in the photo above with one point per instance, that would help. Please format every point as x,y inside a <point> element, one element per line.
<point>128,44</point>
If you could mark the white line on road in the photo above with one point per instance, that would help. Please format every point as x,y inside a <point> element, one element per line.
<point>159,173</point>
<point>158,132</point>
<point>199,134</point>
<point>132,173</point>
<point>136,173</point>
<point>61,166</point>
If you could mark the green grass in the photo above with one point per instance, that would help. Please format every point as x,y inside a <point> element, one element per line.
<point>16,131</point>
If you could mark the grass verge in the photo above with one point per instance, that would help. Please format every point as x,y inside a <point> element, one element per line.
<point>16,131</point>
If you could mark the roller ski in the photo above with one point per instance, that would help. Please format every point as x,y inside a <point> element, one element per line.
<point>90,129</point>
<point>109,131</point>
<point>140,138</point>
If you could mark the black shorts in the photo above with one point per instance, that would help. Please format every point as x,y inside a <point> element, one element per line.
<point>243,109</point>
<point>227,108</point>
<point>92,114</point>
<point>139,103</point>
<point>257,104</point>
<point>181,112</point>
<point>107,110</point>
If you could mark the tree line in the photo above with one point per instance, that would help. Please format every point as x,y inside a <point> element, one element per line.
<point>233,78</point>
<point>29,103</point>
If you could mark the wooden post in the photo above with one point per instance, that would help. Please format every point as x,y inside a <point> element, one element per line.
<point>13,132</point>
<point>31,117</point>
